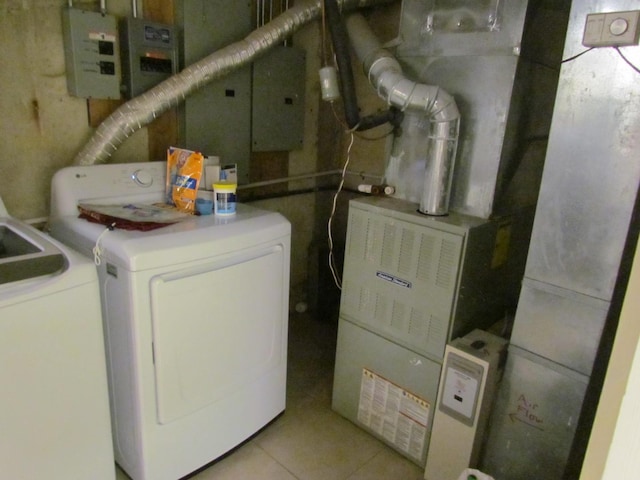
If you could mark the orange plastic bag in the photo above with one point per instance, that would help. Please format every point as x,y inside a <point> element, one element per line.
<point>184,171</point>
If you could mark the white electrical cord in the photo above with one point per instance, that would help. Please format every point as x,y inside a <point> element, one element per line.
<point>332,263</point>
<point>97,249</point>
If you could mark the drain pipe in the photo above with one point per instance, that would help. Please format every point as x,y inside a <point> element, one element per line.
<point>425,147</point>
<point>142,110</point>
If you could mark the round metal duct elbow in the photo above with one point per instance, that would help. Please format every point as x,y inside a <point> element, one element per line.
<point>386,76</point>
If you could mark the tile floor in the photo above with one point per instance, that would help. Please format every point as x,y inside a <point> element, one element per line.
<point>310,441</point>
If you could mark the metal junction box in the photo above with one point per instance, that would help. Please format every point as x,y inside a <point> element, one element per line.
<point>91,51</point>
<point>278,100</point>
<point>149,54</point>
<point>216,120</point>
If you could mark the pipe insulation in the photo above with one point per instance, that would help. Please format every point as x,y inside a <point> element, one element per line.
<point>143,109</point>
<point>424,150</point>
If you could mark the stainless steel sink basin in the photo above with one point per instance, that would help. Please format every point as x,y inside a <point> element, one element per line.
<point>26,253</point>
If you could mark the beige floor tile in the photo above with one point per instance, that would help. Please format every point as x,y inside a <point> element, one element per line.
<point>322,446</point>
<point>120,475</point>
<point>388,465</point>
<point>248,463</point>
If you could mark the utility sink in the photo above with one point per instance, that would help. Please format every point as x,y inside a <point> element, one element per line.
<point>25,253</point>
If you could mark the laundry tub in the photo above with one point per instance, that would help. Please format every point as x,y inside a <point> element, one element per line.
<point>54,416</point>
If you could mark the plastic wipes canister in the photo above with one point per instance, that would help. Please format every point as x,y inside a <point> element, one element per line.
<point>224,194</point>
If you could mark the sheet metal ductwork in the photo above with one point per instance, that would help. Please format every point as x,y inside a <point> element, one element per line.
<point>145,108</point>
<point>423,154</point>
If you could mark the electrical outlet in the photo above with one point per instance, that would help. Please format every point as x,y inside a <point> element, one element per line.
<point>612,29</point>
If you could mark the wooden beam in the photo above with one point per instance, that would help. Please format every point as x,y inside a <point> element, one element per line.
<point>163,132</point>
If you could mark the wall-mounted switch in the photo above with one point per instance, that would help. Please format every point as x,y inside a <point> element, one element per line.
<point>613,29</point>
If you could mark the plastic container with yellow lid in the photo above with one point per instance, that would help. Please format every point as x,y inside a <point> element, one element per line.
<point>224,194</point>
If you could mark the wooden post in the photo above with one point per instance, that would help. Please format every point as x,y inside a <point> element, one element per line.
<point>163,132</point>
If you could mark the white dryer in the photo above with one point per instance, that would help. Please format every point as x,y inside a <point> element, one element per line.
<point>196,318</point>
<point>54,415</point>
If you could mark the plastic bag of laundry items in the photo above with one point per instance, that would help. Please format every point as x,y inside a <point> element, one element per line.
<point>184,171</point>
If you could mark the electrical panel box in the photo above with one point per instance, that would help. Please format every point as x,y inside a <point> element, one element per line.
<point>278,100</point>
<point>92,56</point>
<point>216,119</point>
<point>149,54</point>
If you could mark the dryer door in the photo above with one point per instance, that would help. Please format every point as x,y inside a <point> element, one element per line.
<point>216,328</point>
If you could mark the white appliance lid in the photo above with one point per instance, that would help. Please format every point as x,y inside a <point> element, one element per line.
<point>193,239</point>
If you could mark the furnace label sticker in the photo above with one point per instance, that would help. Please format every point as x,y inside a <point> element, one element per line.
<point>398,416</point>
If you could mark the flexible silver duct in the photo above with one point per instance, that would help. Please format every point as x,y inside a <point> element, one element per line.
<point>423,154</point>
<point>142,110</point>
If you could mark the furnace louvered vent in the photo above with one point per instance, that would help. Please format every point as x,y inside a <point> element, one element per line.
<point>388,253</point>
<point>437,335</point>
<point>406,262</point>
<point>447,264</point>
<point>418,326</point>
<point>356,239</point>
<point>425,257</point>
<point>398,318</point>
<point>400,280</point>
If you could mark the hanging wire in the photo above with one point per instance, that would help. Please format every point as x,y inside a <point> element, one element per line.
<point>627,60</point>
<point>97,250</point>
<point>258,2</point>
<point>570,59</point>
<point>332,260</point>
<point>617,49</point>
<point>324,36</point>
<point>284,6</point>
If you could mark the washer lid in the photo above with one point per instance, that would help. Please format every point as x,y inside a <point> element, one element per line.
<point>26,254</point>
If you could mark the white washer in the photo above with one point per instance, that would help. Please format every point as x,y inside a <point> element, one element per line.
<point>54,420</point>
<point>196,318</point>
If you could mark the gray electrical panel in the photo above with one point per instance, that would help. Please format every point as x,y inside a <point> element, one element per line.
<point>216,120</point>
<point>278,100</point>
<point>91,51</point>
<point>149,54</point>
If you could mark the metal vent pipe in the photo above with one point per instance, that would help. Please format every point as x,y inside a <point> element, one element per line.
<point>425,148</point>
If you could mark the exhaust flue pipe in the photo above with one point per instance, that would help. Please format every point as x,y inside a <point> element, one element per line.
<point>425,147</point>
<point>142,110</point>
